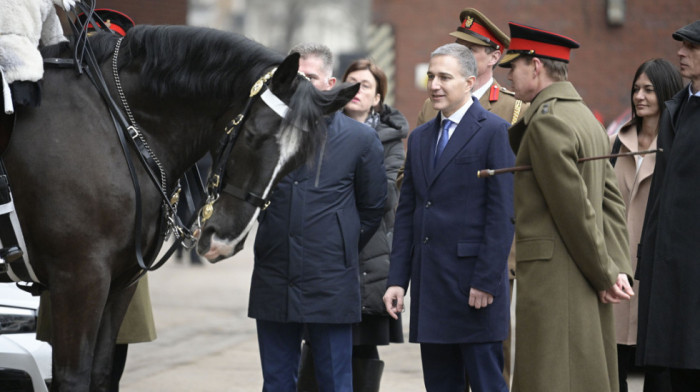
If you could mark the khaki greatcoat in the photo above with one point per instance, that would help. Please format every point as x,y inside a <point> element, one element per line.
<point>138,325</point>
<point>571,243</point>
<point>634,187</point>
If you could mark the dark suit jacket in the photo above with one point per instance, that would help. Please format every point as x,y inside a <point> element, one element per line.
<point>454,231</point>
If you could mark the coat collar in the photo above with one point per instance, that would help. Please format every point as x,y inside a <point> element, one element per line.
<point>628,137</point>
<point>564,91</point>
<point>465,131</point>
<point>673,105</point>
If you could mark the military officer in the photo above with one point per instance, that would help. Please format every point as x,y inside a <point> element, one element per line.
<point>571,238</point>
<point>488,43</point>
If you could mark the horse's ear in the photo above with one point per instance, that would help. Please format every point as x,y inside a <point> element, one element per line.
<point>340,95</point>
<point>287,71</point>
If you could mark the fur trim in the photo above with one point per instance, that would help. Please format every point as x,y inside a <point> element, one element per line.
<point>23,25</point>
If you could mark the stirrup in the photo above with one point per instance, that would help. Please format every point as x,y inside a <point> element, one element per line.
<point>8,255</point>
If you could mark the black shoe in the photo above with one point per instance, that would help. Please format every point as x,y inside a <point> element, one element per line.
<point>11,254</point>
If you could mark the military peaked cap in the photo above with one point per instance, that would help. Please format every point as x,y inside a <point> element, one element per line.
<point>478,29</point>
<point>526,40</point>
<point>111,19</point>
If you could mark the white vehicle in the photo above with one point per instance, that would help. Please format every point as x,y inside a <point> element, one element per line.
<point>25,363</point>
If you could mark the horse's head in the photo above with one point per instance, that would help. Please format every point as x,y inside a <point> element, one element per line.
<point>281,130</point>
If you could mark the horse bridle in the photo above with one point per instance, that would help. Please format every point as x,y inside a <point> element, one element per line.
<point>214,183</point>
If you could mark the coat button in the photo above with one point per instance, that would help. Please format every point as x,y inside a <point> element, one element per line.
<point>296,182</point>
<point>428,204</point>
<point>426,240</point>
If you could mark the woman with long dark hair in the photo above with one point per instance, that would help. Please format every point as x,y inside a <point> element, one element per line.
<point>655,82</point>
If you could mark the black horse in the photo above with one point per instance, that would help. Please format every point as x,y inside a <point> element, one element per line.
<point>73,191</point>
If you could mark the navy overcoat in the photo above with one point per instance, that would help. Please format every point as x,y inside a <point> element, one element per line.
<point>308,240</point>
<point>453,231</point>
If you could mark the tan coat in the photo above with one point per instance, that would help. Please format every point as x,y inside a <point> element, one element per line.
<point>571,243</point>
<point>634,187</point>
<point>138,325</point>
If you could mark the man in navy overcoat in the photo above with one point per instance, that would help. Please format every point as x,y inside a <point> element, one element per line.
<point>453,233</point>
<point>306,279</point>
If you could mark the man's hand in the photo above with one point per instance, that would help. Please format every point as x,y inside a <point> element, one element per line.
<point>393,301</point>
<point>620,291</point>
<point>479,299</point>
<point>65,4</point>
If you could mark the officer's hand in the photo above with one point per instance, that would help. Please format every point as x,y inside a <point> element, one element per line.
<point>393,301</point>
<point>620,291</point>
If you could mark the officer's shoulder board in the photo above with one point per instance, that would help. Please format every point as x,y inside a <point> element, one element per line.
<point>508,92</point>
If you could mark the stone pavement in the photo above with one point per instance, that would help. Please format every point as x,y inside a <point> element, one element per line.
<point>206,342</point>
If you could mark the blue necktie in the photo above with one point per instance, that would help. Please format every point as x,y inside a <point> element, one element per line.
<point>444,137</point>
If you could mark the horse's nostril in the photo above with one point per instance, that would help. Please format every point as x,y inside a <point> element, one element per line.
<point>205,240</point>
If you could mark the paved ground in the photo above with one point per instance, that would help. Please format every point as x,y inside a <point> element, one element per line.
<point>206,343</point>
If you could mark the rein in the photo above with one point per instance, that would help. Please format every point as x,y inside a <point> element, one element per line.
<point>129,133</point>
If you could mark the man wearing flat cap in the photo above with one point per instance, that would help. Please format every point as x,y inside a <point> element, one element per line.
<point>669,269</point>
<point>571,239</point>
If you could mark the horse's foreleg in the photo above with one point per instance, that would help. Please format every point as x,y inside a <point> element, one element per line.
<point>76,313</point>
<point>114,312</point>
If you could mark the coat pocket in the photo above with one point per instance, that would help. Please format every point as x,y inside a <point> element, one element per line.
<point>349,232</point>
<point>468,249</point>
<point>534,249</point>
<point>466,159</point>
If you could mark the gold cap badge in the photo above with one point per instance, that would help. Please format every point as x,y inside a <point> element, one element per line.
<point>468,22</point>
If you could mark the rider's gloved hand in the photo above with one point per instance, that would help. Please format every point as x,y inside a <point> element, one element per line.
<point>65,4</point>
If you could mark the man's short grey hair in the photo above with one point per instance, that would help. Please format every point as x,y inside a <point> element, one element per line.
<point>319,50</point>
<point>464,56</point>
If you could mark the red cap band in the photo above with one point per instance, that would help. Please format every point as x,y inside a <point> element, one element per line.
<point>112,26</point>
<point>481,30</point>
<point>540,48</point>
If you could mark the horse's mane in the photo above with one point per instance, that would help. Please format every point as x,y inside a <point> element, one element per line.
<point>194,61</point>
<point>201,62</point>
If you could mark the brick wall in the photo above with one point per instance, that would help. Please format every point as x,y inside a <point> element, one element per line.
<point>602,69</point>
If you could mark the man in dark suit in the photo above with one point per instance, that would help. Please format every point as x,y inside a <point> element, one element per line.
<point>453,233</point>
<point>306,279</point>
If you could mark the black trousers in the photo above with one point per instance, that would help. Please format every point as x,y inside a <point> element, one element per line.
<point>685,380</point>
<point>656,379</point>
